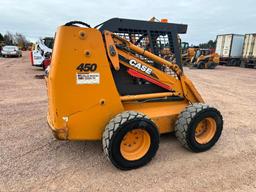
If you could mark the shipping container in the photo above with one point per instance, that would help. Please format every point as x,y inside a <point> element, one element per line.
<point>230,48</point>
<point>249,50</point>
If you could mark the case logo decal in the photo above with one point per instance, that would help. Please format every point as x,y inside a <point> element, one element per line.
<point>140,66</point>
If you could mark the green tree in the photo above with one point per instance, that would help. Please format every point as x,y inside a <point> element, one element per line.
<point>209,44</point>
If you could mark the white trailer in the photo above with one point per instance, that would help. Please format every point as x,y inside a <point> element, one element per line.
<point>230,48</point>
<point>249,51</point>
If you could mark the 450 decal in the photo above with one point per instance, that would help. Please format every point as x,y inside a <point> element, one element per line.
<point>86,67</point>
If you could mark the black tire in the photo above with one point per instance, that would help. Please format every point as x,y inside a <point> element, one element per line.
<point>115,131</point>
<point>211,65</point>
<point>201,65</point>
<point>233,62</point>
<point>187,122</point>
<point>194,65</point>
<point>185,63</point>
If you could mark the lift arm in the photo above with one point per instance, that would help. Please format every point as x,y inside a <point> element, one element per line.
<point>140,64</point>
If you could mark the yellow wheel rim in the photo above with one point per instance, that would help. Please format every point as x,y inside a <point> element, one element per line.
<point>205,130</point>
<point>135,144</point>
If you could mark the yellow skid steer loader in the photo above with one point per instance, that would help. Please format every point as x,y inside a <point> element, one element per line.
<point>204,59</point>
<point>110,83</point>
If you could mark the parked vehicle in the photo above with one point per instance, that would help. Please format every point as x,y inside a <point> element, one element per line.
<point>41,50</point>
<point>11,50</point>
<point>249,51</point>
<point>205,59</point>
<point>230,47</point>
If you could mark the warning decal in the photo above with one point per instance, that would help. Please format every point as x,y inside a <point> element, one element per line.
<point>89,78</point>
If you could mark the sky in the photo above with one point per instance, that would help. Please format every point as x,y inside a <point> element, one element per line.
<point>205,18</point>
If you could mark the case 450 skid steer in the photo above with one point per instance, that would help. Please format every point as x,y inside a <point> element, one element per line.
<point>110,83</point>
<point>205,59</point>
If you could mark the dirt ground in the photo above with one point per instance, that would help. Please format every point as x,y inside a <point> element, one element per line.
<point>31,159</point>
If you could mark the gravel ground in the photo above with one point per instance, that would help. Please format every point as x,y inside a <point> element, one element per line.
<point>31,159</point>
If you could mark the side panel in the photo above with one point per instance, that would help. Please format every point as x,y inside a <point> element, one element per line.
<point>37,58</point>
<point>246,45</point>
<point>82,100</point>
<point>227,46</point>
<point>219,44</point>
<point>254,46</point>
<point>249,50</point>
<point>237,46</point>
<point>164,114</point>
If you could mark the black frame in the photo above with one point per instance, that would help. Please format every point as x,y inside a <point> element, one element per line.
<point>116,25</point>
